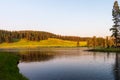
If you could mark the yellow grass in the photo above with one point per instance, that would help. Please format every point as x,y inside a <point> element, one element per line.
<point>51,42</point>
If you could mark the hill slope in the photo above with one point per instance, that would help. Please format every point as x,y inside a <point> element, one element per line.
<point>51,42</point>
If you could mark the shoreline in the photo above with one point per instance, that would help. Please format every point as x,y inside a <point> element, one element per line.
<point>40,47</point>
<point>105,50</point>
<point>59,47</point>
<point>8,67</point>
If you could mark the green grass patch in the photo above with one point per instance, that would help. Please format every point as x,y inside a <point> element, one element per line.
<point>105,50</point>
<point>51,42</point>
<point>8,67</point>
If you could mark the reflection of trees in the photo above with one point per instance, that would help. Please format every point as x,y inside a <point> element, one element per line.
<point>97,55</point>
<point>108,55</point>
<point>31,56</point>
<point>117,67</point>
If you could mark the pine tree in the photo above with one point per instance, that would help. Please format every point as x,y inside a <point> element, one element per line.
<point>116,20</point>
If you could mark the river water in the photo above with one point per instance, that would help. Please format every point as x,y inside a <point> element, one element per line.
<point>69,64</point>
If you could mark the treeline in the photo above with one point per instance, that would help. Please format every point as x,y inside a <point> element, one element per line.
<point>101,42</point>
<point>91,41</point>
<point>12,36</point>
<point>72,38</point>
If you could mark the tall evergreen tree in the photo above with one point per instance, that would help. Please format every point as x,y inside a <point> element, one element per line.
<point>116,20</point>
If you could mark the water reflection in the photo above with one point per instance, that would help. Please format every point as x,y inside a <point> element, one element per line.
<point>69,64</point>
<point>117,67</point>
<point>35,56</point>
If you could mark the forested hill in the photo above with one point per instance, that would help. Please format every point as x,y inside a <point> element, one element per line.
<point>13,36</point>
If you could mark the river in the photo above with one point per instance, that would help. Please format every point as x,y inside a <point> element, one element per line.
<point>69,64</point>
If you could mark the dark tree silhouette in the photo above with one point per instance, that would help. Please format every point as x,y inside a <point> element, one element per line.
<point>12,36</point>
<point>116,20</point>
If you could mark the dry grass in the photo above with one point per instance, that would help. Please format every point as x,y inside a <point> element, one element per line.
<point>51,42</point>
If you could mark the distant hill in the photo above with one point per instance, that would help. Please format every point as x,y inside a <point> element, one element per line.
<point>27,38</point>
<point>14,36</point>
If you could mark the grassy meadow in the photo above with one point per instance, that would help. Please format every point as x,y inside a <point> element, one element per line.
<point>51,42</point>
<point>8,67</point>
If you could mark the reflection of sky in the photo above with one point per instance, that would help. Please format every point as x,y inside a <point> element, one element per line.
<point>81,17</point>
<point>94,66</point>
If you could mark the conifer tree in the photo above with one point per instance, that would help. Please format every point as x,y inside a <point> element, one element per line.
<point>116,20</point>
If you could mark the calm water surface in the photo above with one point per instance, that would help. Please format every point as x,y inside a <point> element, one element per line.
<point>69,64</point>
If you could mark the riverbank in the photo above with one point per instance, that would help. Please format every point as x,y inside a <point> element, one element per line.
<point>105,50</point>
<point>8,67</point>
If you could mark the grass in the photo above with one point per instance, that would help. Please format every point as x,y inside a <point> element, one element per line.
<point>51,42</point>
<point>105,50</point>
<point>8,67</point>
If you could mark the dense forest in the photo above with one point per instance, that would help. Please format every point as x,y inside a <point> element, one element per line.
<point>13,36</point>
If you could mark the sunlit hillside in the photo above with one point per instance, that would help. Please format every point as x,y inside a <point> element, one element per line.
<point>51,42</point>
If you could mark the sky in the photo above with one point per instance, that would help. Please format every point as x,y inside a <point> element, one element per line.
<point>83,18</point>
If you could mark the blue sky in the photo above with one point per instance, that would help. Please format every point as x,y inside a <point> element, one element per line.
<point>65,17</point>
